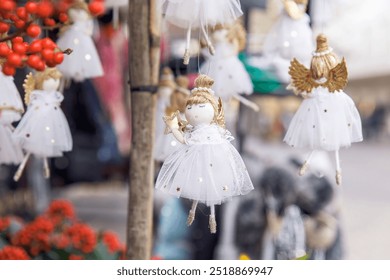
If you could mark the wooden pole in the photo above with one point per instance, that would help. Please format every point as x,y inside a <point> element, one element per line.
<point>144,50</point>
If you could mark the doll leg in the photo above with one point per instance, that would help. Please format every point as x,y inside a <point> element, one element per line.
<point>191,214</point>
<point>212,221</point>
<point>209,44</point>
<point>46,169</point>
<point>338,168</point>
<point>305,165</point>
<point>247,102</point>
<point>186,58</point>
<point>19,172</point>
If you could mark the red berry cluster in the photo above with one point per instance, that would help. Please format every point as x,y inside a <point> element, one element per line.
<point>13,253</point>
<point>15,51</point>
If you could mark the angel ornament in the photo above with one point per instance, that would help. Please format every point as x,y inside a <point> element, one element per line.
<point>290,37</point>
<point>43,130</point>
<point>84,62</point>
<point>167,143</point>
<point>327,119</point>
<point>190,14</point>
<point>207,168</point>
<point>11,110</point>
<point>229,74</point>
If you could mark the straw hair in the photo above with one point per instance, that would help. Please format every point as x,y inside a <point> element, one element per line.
<point>236,32</point>
<point>79,4</point>
<point>202,96</point>
<point>303,2</point>
<point>321,64</point>
<point>48,73</point>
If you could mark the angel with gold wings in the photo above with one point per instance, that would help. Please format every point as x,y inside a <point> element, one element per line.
<point>43,130</point>
<point>206,168</point>
<point>327,119</point>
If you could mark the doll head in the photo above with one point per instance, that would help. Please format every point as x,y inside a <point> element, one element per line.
<point>201,106</point>
<point>180,95</point>
<point>166,84</point>
<point>323,59</point>
<point>236,32</point>
<point>219,33</point>
<point>78,11</point>
<point>48,80</point>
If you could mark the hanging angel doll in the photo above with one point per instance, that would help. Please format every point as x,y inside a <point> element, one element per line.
<point>207,168</point>
<point>327,119</point>
<point>290,37</point>
<point>43,130</point>
<point>229,74</point>
<point>190,14</point>
<point>84,62</point>
<point>11,109</point>
<point>167,143</point>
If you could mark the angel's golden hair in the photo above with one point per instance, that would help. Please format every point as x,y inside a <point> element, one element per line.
<point>322,64</point>
<point>236,33</point>
<point>203,96</point>
<point>179,97</point>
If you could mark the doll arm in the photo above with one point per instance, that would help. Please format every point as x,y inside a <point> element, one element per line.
<point>172,123</point>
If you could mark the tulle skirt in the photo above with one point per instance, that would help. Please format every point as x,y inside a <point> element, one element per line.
<point>44,132</point>
<point>84,61</point>
<point>165,145</point>
<point>194,13</point>
<point>10,151</point>
<point>326,121</point>
<point>230,77</point>
<point>209,173</point>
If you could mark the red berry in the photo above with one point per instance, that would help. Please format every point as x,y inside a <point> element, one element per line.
<point>14,59</point>
<point>58,57</point>
<point>22,13</point>
<point>33,60</point>
<point>20,23</point>
<point>63,17</point>
<point>49,22</point>
<point>4,49</point>
<point>48,44</point>
<point>14,17</point>
<point>51,63</point>
<point>35,46</point>
<point>47,54</point>
<point>33,30</point>
<point>19,48</point>
<point>8,69</point>
<point>7,5</point>
<point>17,39</point>
<point>45,9</point>
<point>96,8</point>
<point>40,66</point>
<point>31,7</point>
<point>4,27</point>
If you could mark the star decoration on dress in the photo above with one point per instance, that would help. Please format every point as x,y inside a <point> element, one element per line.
<point>178,189</point>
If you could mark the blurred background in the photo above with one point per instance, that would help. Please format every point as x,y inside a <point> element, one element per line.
<point>311,213</point>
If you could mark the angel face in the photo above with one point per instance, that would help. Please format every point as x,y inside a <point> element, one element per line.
<point>220,35</point>
<point>78,15</point>
<point>198,114</point>
<point>51,84</point>
<point>165,92</point>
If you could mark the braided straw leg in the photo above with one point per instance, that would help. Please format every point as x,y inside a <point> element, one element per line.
<point>212,224</point>
<point>20,170</point>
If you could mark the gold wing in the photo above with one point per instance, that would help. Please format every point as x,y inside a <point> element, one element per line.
<point>300,77</point>
<point>182,123</point>
<point>29,86</point>
<point>221,114</point>
<point>338,77</point>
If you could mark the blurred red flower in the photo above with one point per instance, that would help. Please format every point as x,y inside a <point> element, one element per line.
<point>13,253</point>
<point>82,237</point>
<point>111,240</point>
<point>4,223</point>
<point>59,210</point>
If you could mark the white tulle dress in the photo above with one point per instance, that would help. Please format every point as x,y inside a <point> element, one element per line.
<point>196,13</point>
<point>326,121</point>
<point>207,168</point>
<point>287,39</point>
<point>11,108</point>
<point>228,72</point>
<point>84,61</point>
<point>44,130</point>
